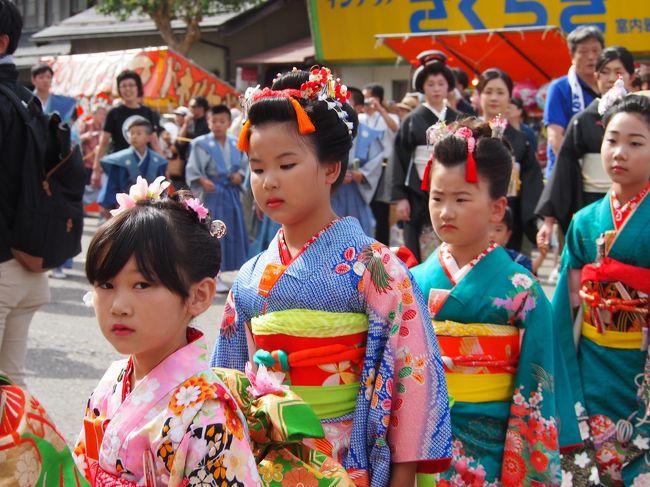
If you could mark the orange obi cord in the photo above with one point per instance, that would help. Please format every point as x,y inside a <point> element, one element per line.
<point>480,355</point>
<point>310,361</point>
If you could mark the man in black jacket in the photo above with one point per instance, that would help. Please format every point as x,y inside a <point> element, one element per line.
<point>21,292</point>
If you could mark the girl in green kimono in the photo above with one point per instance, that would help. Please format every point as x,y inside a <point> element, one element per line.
<point>602,296</point>
<point>493,323</point>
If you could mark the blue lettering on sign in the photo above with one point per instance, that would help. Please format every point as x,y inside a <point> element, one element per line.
<point>636,24</point>
<point>527,7</point>
<point>585,7</point>
<point>466,8</point>
<point>621,26</point>
<point>646,22</point>
<point>438,12</point>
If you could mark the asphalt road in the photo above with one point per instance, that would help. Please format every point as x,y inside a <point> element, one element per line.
<point>68,355</point>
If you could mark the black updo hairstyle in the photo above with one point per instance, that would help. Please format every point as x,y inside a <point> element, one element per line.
<point>494,73</point>
<point>492,155</point>
<point>431,64</point>
<point>331,141</point>
<point>615,53</point>
<point>169,242</point>
<point>637,104</point>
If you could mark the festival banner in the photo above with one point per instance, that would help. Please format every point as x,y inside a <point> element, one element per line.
<point>344,30</point>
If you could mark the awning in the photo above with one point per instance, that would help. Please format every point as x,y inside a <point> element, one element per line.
<point>539,54</point>
<point>168,78</point>
<point>293,52</point>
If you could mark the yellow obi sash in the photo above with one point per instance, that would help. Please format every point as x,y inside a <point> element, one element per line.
<point>628,340</point>
<point>480,360</point>
<point>320,352</point>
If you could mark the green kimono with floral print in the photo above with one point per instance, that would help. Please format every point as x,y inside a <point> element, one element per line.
<point>512,442</point>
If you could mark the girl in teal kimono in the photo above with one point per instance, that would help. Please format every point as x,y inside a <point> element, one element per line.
<point>602,296</point>
<point>492,321</point>
<point>328,306</point>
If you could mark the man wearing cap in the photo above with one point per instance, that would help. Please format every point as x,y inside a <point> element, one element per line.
<point>434,80</point>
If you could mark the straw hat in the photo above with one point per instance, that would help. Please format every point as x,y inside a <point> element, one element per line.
<point>409,103</point>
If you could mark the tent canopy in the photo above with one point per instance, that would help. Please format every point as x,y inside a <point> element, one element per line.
<point>539,54</point>
<point>168,78</point>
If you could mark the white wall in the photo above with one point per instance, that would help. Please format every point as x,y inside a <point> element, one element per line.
<point>359,76</point>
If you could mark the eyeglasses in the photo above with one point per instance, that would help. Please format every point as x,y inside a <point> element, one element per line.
<point>128,85</point>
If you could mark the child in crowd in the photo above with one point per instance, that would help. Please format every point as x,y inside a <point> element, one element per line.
<point>492,320</point>
<point>162,416</point>
<point>602,297</point>
<point>215,172</point>
<point>329,306</point>
<point>500,234</point>
<point>122,168</point>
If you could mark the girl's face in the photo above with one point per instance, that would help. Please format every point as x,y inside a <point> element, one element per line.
<point>141,318</point>
<point>609,73</point>
<point>626,150</point>
<point>435,89</point>
<point>495,98</point>
<point>289,183</point>
<point>462,212</point>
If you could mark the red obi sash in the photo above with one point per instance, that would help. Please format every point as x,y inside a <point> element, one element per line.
<point>314,361</point>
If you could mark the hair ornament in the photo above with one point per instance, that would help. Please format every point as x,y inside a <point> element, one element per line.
<point>140,191</point>
<point>434,134</point>
<point>218,228</point>
<point>471,175</point>
<point>498,125</point>
<point>197,207</point>
<point>613,95</point>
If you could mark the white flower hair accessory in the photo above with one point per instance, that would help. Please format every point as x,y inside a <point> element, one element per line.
<point>614,94</point>
<point>140,191</point>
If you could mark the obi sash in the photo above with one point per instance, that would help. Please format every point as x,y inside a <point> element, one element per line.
<point>594,177</point>
<point>616,304</point>
<point>421,156</point>
<point>480,360</point>
<point>321,354</point>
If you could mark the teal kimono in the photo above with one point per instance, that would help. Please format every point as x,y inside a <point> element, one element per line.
<point>611,369</point>
<point>493,324</point>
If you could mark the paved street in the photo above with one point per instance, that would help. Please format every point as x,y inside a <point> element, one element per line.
<point>68,354</point>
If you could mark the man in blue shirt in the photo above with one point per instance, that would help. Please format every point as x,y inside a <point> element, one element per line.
<point>572,93</point>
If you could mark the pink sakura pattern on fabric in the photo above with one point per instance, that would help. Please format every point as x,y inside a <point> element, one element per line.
<point>264,381</point>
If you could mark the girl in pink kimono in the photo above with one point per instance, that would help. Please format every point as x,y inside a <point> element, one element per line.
<point>162,416</point>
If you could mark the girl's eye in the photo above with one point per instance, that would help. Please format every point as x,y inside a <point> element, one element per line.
<point>287,166</point>
<point>462,200</point>
<point>142,285</point>
<point>257,171</point>
<point>104,285</point>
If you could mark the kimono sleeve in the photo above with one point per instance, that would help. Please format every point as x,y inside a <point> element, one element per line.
<point>231,348</point>
<point>196,163</point>
<point>531,189</point>
<point>532,435</point>
<point>215,449</point>
<point>400,160</point>
<point>410,392</point>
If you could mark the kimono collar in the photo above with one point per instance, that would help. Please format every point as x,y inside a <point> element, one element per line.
<point>439,114</point>
<point>450,266</point>
<point>620,213</point>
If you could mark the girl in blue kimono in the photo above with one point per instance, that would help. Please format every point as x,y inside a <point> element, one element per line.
<point>493,323</point>
<point>602,297</point>
<point>215,172</point>
<point>327,305</point>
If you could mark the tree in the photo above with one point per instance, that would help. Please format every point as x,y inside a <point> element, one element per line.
<point>191,12</point>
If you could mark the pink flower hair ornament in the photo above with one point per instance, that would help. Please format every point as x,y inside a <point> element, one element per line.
<point>197,207</point>
<point>140,191</point>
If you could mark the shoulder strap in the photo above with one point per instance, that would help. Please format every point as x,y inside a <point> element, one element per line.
<point>17,102</point>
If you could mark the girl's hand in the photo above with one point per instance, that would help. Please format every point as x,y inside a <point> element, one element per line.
<point>348,177</point>
<point>403,210</point>
<point>357,177</point>
<point>207,185</point>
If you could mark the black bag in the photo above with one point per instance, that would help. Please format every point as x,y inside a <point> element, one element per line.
<point>49,214</point>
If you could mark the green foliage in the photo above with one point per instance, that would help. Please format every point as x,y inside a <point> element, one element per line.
<point>176,9</point>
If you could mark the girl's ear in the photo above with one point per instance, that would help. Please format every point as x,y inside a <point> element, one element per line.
<point>498,209</point>
<point>201,295</point>
<point>332,171</point>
